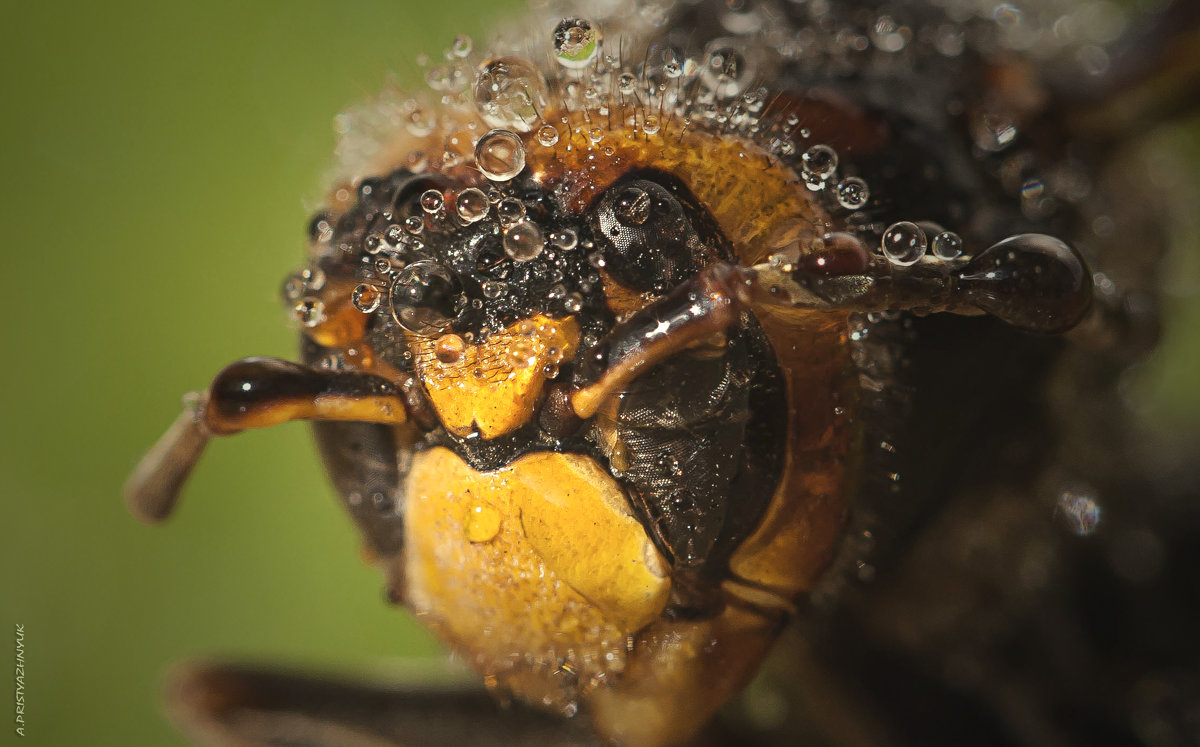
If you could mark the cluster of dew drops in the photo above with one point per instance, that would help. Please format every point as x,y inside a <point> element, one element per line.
<point>588,85</point>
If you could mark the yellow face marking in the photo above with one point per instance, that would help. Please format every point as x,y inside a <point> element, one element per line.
<point>541,557</point>
<point>493,386</point>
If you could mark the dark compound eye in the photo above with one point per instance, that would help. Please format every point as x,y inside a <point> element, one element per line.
<point>424,297</point>
<point>648,234</point>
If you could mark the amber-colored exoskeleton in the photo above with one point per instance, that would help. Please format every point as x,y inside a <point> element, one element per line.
<point>661,326</point>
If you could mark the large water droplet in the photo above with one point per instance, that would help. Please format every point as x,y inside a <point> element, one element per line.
<point>431,201</point>
<point>493,289</point>
<point>523,241</point>
<point>947,245</point>
<point>632,206</point>
<point>521,354</point>
<point>509,93</point>
<point>838,254</point>
<point>547,136</point>
<point>471,205</point>
<point>366,298</point>
<point>423,297</point>
<point>576,43</point>
<point>819,161</point>
<point>510,210</point>
<point>853,193</point>
<point>1031,281</point>
<point>725,72</point>
<point>500,155</point>
<point>904,243</point>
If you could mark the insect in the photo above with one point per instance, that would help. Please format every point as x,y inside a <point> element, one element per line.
<point>655,328</point>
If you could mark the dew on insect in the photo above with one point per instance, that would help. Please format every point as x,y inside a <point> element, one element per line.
<point>904,243</point>
<point>510,93</point>
<point>472,205</point>
<point>523,241</point>
<point>576,43</point>
<point>500,155</point>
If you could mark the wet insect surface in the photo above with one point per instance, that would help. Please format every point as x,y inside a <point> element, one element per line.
<point>648,330</point>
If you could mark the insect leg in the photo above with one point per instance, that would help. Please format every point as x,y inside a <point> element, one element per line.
<point>221,705</point>
<point>697,309</point>
<point>1033,282</point>
<point>257,393</point>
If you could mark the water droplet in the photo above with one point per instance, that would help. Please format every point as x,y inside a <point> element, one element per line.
<point>853,193</point>
<point>366,298</point>
<point>838,254</point>
<point>300,282</point>
<point>993,131</point>
<point>523,241</point>
<point>1079,510</point>
<point>632,206</point>
<point>904,243</point>
<point>320,228</point>
<point>440,78</point>
<point>309,312</point>
<point>450,349</point>
<point>889,36</point>
<point>573,303</point>
<point>494,288</point>
<point>651,125</point>
<point>472,205</point>
<point>1031,281</point>
<point>431,201</point>
<point>521,354</point>
<point>423,297</point>
<point>483,523</point>
<point>461,47</point>
<point>725,72</point>
<point>819,161</point>
<point>626,83</point>
<point>500,155</point>
<point>415,224</point>
<point>510,210</point>
<point>576,42</point>
<point>947,245</point>
<point>509,93</point>
<point>565,239</point>
<point>547,136</point>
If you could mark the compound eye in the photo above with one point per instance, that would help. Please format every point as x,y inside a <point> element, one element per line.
<point>647,234</point>
<point>425,296</point>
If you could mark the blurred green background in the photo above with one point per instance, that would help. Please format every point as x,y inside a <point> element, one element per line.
<point>160,163</point>
<point>157,158</point>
